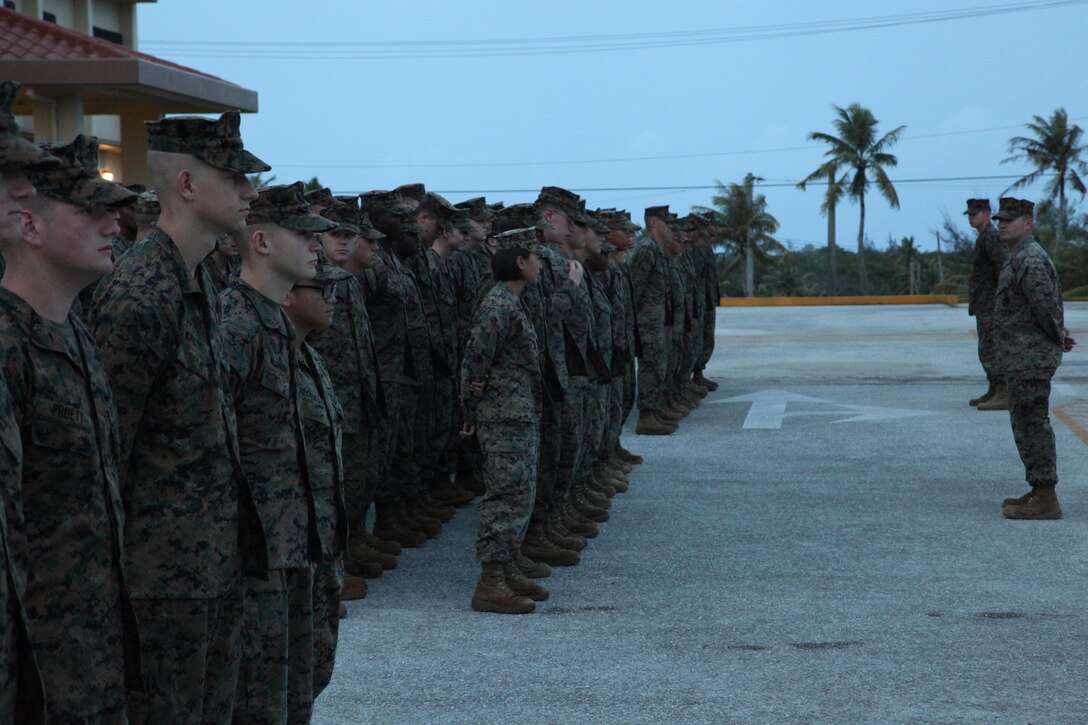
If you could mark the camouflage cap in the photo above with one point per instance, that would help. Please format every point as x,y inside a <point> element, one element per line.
<point>415,191</point>
<point>369,231</point>
<point>686,223</point>
<point>327,272</point>
<point>1014,208</point>
<point>319,197</point>
<point>462,220</point>
<point>345,216</point>
<point>518,216</point>
<point>77,179</point>
<point>976,205</point>
<point>477,209</point>
<point>379,198</point>
<point>217,143</point>
<point>347,200</point>
<point>597,222</point>
<point>285,205</point>
<point>661,212</point>
<point>566,201</point>
<point>514,238</point>
<point>711,216</point>
<point>496,207</point>
<point>16,151</point>
<point>147,204</point>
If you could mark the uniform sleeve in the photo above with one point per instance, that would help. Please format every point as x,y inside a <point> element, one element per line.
<point>489,329</point>
<point>1039,283</point>
<point>135,334</point>
<point>239,352</point>
<point>641,266</point>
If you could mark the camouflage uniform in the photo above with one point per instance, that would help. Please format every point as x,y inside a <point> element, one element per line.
<point>322,416</point>
<point>348,349</point>
<point>81,625</point>
<point>990,256</point>
<point>502,350</point>
<point>709,286</point>
<point>600,386</point>
<point>276,645</point>
<point>651,283</point>
<point>440,308</point>
<point>624,348</point>
<point>1028,338</point>
<point>158,336</point>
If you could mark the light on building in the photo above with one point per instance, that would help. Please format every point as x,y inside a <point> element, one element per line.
<point>107,174</point>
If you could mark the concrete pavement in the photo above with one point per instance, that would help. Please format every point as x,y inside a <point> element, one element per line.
<point>821,541</point>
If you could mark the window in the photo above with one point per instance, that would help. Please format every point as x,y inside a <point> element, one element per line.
<point>110,35</point>
<point>49,17</point>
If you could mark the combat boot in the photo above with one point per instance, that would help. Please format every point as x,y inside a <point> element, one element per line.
<point>343,611</point>
<point>360,551</point>
<point>494,595</point>
<point>670,416</point>
<point>588,510</point>
<point>538,548</point>
<point>573,521</point>
<point>1000,400</point>
<point>650,425</point>
<point>1042,503</point>
<point>985,396</point>
<point>468,480</point>
<point>696,391</point>
<point>389,524</point>
<point>446,494</point>
<point>595,498</point>
<point>530,568</point>
<point>597,483</point>
<point>701,380</point>
<point>521,584</point>
<point>362,569</point>
<point>1017,500</point>
<point>556,533</point>
<point>354,587</point>
<point>385,547</point>
<point>626,455</point>
<point>416,517</point>
<point>433,508</point>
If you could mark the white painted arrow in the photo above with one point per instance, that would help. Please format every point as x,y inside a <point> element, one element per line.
<point>768,409</point>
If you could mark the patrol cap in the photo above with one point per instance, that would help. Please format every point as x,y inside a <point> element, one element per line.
<point>417,192</point>
<point>597,222</point>
<point>1011,208</point>
<point>440,207</point>
<point>514,238</point>
<point>345,216</point>
<point>518,216</point>
<point>496,207</point>
<point>477,209</point>
<point>147,204</point>
<point>16,151</point>
<point>369,231</point>
<point>380,198</point>
<point>217,143</point>
<point>976,205</point>
<point>285,205</point>
<point>77,180</point>
<point>319,197</point>
<point>566,201</point>
<point>462,220</point>
<point>686,223</point>
<point>661,212</point>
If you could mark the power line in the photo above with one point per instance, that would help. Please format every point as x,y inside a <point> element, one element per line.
<point>492,47</point>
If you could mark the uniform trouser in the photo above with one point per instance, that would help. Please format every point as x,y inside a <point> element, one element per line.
<point>551,439</point>
<point>328,580</point>
<point>571,436</point>
<point>275,682</point>
<point>685,364</point>
<point>653,368</point>
<point>984,325</point>
<point>441,407</point>
<point>403,469</point>
<point>706,349</point>
<point>420,463</point>
<point>510,451</point>
<point>1029,412</point>
<point>630,392</point>
<point>672,368</point>
<point>385,443</point>
<point>611,438</point>
<point>596,423</point>
<point>697,342</point>
<point>359,451</point>
<point>190,651</point>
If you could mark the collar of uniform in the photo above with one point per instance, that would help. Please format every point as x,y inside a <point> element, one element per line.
<point>39,331</point>
<point>171,257</point>
<point>270,313</point>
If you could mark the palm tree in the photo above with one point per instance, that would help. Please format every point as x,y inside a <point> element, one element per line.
<point>1056,148</point>
<point>908,261</point>
<point>749,226</point>
<point>856,151</point>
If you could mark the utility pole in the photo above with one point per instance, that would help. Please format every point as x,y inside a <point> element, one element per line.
<point>940,264</point>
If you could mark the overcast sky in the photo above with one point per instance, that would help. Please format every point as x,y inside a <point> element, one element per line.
<point>370,95</point>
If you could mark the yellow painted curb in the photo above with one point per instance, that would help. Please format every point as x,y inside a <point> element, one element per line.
<point>950,300</point>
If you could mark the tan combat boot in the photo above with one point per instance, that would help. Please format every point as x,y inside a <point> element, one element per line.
<point>360,550</point>
<point>628,456</point>
<point>353,588</point>
<point>985,396</point>
<point>530,568</point>
<point>521,584</point>
<point>699,379</point>
<point>1042,504</point>
<point>1000,400</point>
<point>494,595</point>
<point>650,425</point>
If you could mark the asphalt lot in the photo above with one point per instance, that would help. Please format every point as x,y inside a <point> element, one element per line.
<point>821,541</point>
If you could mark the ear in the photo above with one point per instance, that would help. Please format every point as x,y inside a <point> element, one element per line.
<point>183,184</point>
<point>288,300</point>
<point>260,242</point>
<point>30,227</point>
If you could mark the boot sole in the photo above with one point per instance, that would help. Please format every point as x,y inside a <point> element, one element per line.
<point>1017,516</point>
<point>479,606</point>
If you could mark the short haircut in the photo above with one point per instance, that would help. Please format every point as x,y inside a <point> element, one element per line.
<point>504,263</point>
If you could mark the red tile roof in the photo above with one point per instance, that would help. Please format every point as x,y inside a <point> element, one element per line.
<point>25,38</point>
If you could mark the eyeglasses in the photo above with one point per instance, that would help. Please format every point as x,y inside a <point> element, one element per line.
<point>327,290</point>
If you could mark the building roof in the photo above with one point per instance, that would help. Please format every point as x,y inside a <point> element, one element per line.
<point>39,53</point>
